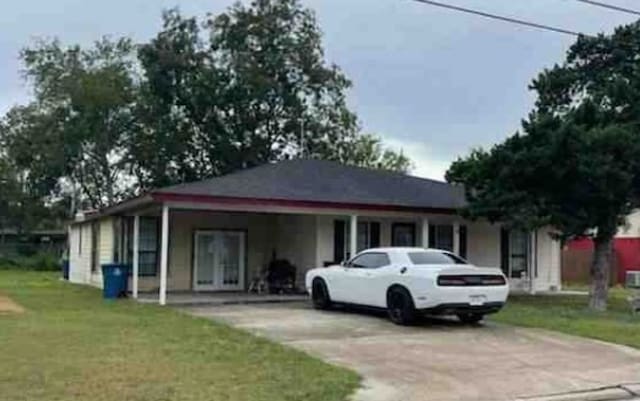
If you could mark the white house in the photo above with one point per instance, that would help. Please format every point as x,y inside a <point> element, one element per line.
<point>219,234</point>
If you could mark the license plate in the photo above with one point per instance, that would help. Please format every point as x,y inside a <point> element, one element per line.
<point>477,299</point>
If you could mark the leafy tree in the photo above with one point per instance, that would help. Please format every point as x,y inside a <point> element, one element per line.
<point>369,151</point>
<point>77,127</point>
<point>245,87</point>
<point>576,166</point>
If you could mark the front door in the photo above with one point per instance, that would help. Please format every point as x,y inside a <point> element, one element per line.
<point>219,260</point>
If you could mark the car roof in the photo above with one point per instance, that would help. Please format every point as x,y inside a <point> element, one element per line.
<point>403,249</point>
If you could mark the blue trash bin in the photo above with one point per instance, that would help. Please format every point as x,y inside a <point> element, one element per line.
<point>115,278</point>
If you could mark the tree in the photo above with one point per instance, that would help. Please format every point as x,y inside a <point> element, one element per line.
<point>200,99</point>
<point>368,151</point>
<point>576,166</point>
<point>78,125</point>
<point>246,87</point>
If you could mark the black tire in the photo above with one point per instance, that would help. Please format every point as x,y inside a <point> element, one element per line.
<point>470,317</point>
<point>320,294</point>
<point>400,307</point>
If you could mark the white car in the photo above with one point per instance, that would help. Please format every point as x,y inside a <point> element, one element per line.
<point>410,281</point>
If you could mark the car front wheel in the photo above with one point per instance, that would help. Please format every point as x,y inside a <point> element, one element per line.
<point>320,294</point>
<point>400,306</point>
<point>470,318</point>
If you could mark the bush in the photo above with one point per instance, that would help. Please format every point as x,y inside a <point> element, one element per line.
<point>38,262</point>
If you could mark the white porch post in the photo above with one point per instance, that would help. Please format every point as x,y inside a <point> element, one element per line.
<point>136,260</point>
<point>164,254</point>
<point>456,238</point>
<point>533,261</point>
<point>425,232</point>
<point>353,236</point>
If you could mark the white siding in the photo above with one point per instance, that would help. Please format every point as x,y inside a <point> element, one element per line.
<point>483,244</point>
<point>80,253</point>
<point>548,262</point>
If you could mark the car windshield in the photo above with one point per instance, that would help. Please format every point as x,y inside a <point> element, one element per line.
<point>435,258</point>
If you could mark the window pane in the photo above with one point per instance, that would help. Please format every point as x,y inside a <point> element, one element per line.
<point>444,237</point>
<point>363,236</point>
<point>371,260</point>
<point>435,258</point>
<point>148,251</point>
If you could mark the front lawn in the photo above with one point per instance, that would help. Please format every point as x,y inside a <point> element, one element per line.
<point>569,314</point>
<point>69,344</point>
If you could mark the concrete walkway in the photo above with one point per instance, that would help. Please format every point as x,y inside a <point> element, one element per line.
<point>442,359</point>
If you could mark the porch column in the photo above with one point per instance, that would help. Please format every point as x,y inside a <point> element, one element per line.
<point>425,232</point>
<point>164,254</point>
<point>456,238</point>
<point>353,236</point>
<point>533,261</point>
<point>136,256</point>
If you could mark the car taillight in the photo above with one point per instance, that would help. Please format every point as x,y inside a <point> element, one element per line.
<point>470,280</point>
<point>446,281</point>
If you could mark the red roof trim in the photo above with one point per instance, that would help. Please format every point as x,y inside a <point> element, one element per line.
<point>174,197</point>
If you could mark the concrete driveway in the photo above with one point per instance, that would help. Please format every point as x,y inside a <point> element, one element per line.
<point>441,359</point>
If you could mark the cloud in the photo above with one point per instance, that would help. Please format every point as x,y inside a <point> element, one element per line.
<point>427,163</point>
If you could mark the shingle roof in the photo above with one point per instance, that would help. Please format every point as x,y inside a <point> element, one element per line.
<point>325,181</point>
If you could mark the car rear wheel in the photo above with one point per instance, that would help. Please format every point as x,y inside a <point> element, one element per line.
<point>470,318</point>
<point>320,294</point>
<point>400,306</point>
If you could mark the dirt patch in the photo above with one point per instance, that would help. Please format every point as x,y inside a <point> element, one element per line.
<point>8,306</point>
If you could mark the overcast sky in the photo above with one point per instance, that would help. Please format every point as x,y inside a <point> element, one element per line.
<point>433,82</point>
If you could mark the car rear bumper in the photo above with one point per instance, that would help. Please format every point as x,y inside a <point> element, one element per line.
<point>455,308</point>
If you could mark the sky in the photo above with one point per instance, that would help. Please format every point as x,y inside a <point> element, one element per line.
<point>432,82</point>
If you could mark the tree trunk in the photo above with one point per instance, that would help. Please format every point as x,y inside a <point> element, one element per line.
<point>600,272</point>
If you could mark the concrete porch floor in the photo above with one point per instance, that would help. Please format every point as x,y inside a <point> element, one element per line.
<point>190,298</point>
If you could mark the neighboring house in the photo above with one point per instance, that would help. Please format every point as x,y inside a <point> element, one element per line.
<point>16,244</point>
<point>578,254</point>
<point>219,234</point>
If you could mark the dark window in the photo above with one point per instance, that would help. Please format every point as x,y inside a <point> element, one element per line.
<point>148,250</point>
<point>463,242</point>
<point>368,236</point>
<point>435,258</point>
<point>370,260</point>
<point>95,246</point>
<point>403,234</point>
<point>339,248</point>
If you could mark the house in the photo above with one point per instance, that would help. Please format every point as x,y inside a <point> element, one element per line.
<point>219,234</point>
<point>577,255</point>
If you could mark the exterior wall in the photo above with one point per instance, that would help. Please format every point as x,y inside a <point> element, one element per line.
<point>296,241</point>
<point>548,258</point>
<point>305,240</point>
<point>632,228</point>
<point>105,248</point>
<point>80,253</point>
<point>483,244</point>
<point>261,242</point>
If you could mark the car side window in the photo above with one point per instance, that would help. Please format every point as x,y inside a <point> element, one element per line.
<point>370,260</point>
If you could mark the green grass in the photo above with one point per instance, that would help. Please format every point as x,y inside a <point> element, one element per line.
<point>72,345</point>
<point>569,314</point>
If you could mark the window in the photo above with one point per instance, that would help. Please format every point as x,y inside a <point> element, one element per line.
<point>95,246</point>
<point>515,253</point>
<point>148,250</point>
<point>368,236</point>
<point>435,258</point>
<point>441,237</point>
<point>370,260</point>
<point>403,234</point>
